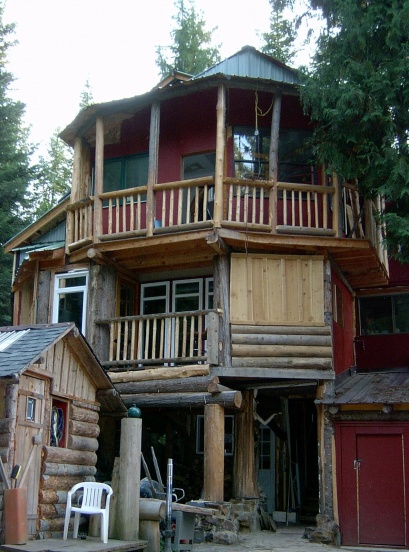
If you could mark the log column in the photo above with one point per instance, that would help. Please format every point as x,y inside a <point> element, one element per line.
<point>153,166</point>
<point>99,176</point>
<point>220,150</point>
<point>273,160</point>
<point>244,469</point>
<point>213,452</point>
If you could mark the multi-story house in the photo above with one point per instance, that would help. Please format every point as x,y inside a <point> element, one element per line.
<point>213,267</point>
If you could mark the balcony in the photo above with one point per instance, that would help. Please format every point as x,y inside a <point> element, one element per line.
<point>175,339</point>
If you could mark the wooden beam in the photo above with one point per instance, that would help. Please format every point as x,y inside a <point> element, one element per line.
<point>229,399</point>
<point>198,383</point>
<point>153,166</point>
<point>220,149</point>
<point>244,468</point>
<point>167,373</point>
<point>254,373</point>
<point>99,175</point>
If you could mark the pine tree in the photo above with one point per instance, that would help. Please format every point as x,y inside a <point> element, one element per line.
<point>191,51</point>
<point>279,41</point>
<point>15,171</point>
<point>357,91</point>
<point>53,176</point>
<point>87,97</point>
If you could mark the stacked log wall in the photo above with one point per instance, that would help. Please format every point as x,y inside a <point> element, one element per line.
<point>62,468</point>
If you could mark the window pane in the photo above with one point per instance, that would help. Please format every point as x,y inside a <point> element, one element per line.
<point>198,165</point>
<point>112,175</point>
<point>376,315</point>
<point>294,156</point>
<point>401,313</point>
<point>136,171</point>
<point>251,152</point>
<point>70,307</point>
<point>72,281</point>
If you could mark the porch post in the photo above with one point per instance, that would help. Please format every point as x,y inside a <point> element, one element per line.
<point>220,152</point>
<point>99,176</point>
<point>273,161</point>
<point>326,455</point>
<point>244,469</point>
<point>153,166</point>
<point>213,452</point>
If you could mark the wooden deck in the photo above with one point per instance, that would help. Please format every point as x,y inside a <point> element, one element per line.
<point>90,544</point>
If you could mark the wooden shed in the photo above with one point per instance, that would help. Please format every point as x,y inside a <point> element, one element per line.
<point>53,391</point>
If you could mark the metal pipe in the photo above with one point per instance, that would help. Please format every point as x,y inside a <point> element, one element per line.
<point>169,487</point>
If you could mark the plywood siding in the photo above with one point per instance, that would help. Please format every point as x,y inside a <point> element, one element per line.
<point>277,290</point>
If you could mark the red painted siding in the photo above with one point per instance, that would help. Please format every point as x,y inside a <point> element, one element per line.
<point>343,335</point>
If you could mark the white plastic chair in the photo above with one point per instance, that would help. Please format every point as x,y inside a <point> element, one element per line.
<point>91,503</point>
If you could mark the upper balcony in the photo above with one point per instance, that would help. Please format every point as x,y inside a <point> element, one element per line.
<point>142,198</point>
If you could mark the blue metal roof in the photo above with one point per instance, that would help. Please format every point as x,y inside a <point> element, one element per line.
<point>249,62</point>
<point>21,346</point>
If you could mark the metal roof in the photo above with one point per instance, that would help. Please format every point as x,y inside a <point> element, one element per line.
<point>251,63</point>
<point>386,387</point>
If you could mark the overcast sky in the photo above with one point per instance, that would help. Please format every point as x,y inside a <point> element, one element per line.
<point>62,43</point>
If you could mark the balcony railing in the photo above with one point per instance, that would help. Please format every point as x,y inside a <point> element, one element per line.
<point>254,205</point>
<point>157,339</point>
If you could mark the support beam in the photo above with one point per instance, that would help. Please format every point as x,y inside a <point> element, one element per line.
<point>229,399</point>
<point>213,477</point>
<point>153,166</point>
<point>273,160</point>
<point>99,176</point>
<point>244,469</point>
<point>220,149</point>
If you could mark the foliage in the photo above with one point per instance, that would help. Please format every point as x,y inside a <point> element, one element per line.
<point>279,41</point>
<point>357,91</point>
<point>53,176</point>
<point>87,97</point>
<point>191,51</point>
<point>15,171</point>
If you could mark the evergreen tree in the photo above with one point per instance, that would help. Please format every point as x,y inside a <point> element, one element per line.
<point>15,172</point>
<point>53,176</point>
<point>87,97</point>
<point>279,41</point>
<point>191,51</point>
<point>358,93</point>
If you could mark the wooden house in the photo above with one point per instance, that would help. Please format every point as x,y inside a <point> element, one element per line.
<point>53,393</point>
<point>213,267</point>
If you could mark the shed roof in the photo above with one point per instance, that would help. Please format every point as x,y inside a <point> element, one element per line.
<point>22,346</point>
<point>386,387</point>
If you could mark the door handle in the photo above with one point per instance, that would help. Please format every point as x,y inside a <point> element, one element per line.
<point>357,464</point>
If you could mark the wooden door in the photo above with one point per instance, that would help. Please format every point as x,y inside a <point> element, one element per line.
<point>31,414</point>
<point>372,475</point>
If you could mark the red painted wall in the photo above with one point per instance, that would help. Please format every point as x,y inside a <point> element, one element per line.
<point>343,336</point>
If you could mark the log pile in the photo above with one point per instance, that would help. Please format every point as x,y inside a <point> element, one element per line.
<point>64,467</point>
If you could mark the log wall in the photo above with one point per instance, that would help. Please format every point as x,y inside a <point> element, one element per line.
<point>62,468</point>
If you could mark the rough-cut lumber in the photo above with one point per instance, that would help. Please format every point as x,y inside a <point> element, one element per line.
<point>67,469</point>
<point>194,509</point>
<point>213,476</point>
<point>152,509</point>
<point>68,456</point>
<point>244,470</point>
<point>199,383</point>
<point>84,415</point>
<point>77,442</point>
<point>229,399</point>
<point>169,372</point>
<point>83,428</point>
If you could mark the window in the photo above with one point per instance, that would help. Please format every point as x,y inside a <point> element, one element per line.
<point>251,155</point>
<point>70,298</point>
<point>31,409</point>
<point>126,172</point>
<point>58,427</point>
<point>198,165</point>
<point>228,434</point>
<point>384,314</point>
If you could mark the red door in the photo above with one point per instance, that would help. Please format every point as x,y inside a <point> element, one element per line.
<point>371,483</point>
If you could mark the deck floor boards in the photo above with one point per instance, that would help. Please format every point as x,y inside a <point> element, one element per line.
<point>89,544</point>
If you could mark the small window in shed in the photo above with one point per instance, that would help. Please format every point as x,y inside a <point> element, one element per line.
<point>31,409</point>
<point>58,423</point>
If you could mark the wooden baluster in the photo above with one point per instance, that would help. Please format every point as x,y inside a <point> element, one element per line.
<point>111,340</point>
<point>176,336</point>
<point>184,336</point>
<point>125,344</point>
<point>118,341</point>
<point>300,213</point>
<point>238,203</point>
<point>117,212</point>
<point>309,209</point>
<point>110,216</point>
<point>292,208</point>
<point>132,213</point>
<point>141,337</point>
<point>285,222</point>
<point>162,338</point>
<point>317,218</point>
<point>133,339</point>
<point>147,354</point>
<point>230,201</point>
<point>325,211</point>
<point>154,326</point>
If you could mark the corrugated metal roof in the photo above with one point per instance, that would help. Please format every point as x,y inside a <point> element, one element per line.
<point>389,387</point>
<point>249,62</point>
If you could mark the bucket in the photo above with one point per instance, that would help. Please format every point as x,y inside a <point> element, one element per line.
<point>15,516</point>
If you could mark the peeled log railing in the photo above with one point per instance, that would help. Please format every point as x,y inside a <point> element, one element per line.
<point>176,338</point>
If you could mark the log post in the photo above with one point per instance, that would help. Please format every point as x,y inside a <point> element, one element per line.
<point>220,149</point>
<point>244,469</point>
<point>153,166</point>
<point>129,479</point>
<point>99,176</point>
<point>213,452</point>
<point>273,161</point>
<point>222,302</point>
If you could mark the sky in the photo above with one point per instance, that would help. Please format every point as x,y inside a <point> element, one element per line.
<point>110,43</point>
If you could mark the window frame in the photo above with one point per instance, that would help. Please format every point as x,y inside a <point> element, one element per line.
<point>83,288</point>
<point>363,328</point>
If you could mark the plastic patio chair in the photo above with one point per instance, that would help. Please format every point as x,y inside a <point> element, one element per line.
<point>90,503</point>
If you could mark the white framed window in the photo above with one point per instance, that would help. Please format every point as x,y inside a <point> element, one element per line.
<point>70,298</point>
<point>31,409</point>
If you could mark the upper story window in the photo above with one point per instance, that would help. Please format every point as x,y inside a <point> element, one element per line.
<point>198,165</point>
<point>122,173</point>
<point>384,314</point>
<point>251,155</point>
<point>70,298</point>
